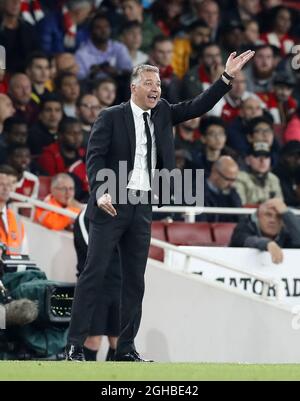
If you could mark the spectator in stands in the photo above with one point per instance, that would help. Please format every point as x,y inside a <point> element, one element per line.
<point>244,11</point>
<point>44,132</point>
<point>219,189</point>
<point>292,132</point>
<point>209,11</point>
<point>214,140</point>
<point>6,109</point>
<point>65,29</point>
<point>12,232</point>
<point>288,170</point>
<point>19,158</point>
<point>38,71</point>
<point>204,74</point>
<point>258,184</point>
<point>61,196</point>
<point>60,155</point>
<point>272,228</point>
<point>66,62</point>
<point>132,37</point>
<point>105,90</point>
<point>280,102</point>
<point>251,34</point>
<point>88,109</point>
<point>133,11</point>
<point>100,56</point>
<point>20,91</point>
<point>161,56</point>
<point>15,132</point>
<point>261,130</point>
<point>67,86</point>
<point>188,136</point>
<point>261,73</point>
<point>279,36</point>
<point>238,129</point>
<point>167,16</point>
<point>17,36</point>
<point>232,35</point>
<point>187,50</point>
<point>106,317</point>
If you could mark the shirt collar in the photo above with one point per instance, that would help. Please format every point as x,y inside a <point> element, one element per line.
<point>137,111</point>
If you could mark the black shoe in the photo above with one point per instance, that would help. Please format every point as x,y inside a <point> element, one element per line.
<point>131,357</point>
<point>74,353</point>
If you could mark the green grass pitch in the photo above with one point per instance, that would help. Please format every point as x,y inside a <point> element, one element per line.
<point>98,371</point>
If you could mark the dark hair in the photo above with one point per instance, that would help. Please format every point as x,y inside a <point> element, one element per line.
<point>128,25</point>
<point>8,170</point>
<point>11,121</point>
<point>96,17</point>
<point>258,120</point>
<point>61,77</point>
<point>200,23</point>
<point>207,45</point>
<point>208,121</point>
<point>13,148</point>
<point>65,123</point>
<point>102,81</point>
<point>36,56</point>
<point>50,97</point>
<point>160,39</point>
<point>263,46</point>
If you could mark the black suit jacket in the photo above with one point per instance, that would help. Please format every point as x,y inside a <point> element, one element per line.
<point>112,137</point>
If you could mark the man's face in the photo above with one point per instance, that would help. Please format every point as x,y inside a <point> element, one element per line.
<point>292,162</point>
<point>215,138</point>
<point>106,93</point>
<point>251,108</point>
<point>259,164</point>
<point>21,89</point>
<point>51,115</point>
<point>212,56</point>
<point>6,107</point>
<point>262,133</point>
<point>200,35</point>
<point>283,92</point>
<point>250,6</point>
<point>252,32</point>
<point>283,21</point>
<point>132,10</point>
<point>239,86</point>
<point>270,222</point>
<point>39,72</point>
<point>12,7</point>
<point>5,187</point>
<point>101,30</point>
<point>272,3</point>
<point>20,159</point>
<point>133,38</point>
<point>66,63</point>
<point>226,178</point>
<point>89,109</point>
<point>72,138</point>
<point>70,89</point>
<point>146,93</point>
<point>264,61</point>
<point>209,11</point>
<point>162,53</point>
<point>18,134</point>
<point>64,191</point>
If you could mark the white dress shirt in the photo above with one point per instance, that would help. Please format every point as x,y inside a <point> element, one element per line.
<point>140,176</point>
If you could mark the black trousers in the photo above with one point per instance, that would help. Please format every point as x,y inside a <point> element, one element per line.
<point>130,230</point>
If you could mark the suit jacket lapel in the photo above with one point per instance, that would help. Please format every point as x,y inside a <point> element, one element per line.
<point>129,121</point>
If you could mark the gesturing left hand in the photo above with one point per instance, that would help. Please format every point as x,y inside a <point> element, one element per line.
<point>235,63</point>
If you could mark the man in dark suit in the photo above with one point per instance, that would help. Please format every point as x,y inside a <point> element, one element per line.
<point>140,133</point>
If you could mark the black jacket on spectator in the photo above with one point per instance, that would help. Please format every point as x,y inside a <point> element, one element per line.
<point>247,234</point>
<point>215,198</point>
<point>39,137</point>
<point>287,182</point>
<point>19,43</point>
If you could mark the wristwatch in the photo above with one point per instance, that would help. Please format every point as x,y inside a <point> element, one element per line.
<point>227,78</point>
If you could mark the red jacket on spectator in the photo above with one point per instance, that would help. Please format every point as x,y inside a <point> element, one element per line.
<point>28,185</point>
<point>52,162</point>
<point>285,44</point>
<point>292,132</point>
<point>79,169</point>
<point>272,103</point>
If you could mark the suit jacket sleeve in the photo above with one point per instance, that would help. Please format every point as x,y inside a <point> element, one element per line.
<point>98,148</point>
<point>199,105</point>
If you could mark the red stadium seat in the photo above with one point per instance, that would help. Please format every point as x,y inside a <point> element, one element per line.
<point>193,234</point>
<point>158,231</point>
<point>222,233</point>
<point>45,184</point>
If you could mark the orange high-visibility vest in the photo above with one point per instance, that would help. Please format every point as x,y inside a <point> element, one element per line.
<point>13,239</point>
<point>52,220</point>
